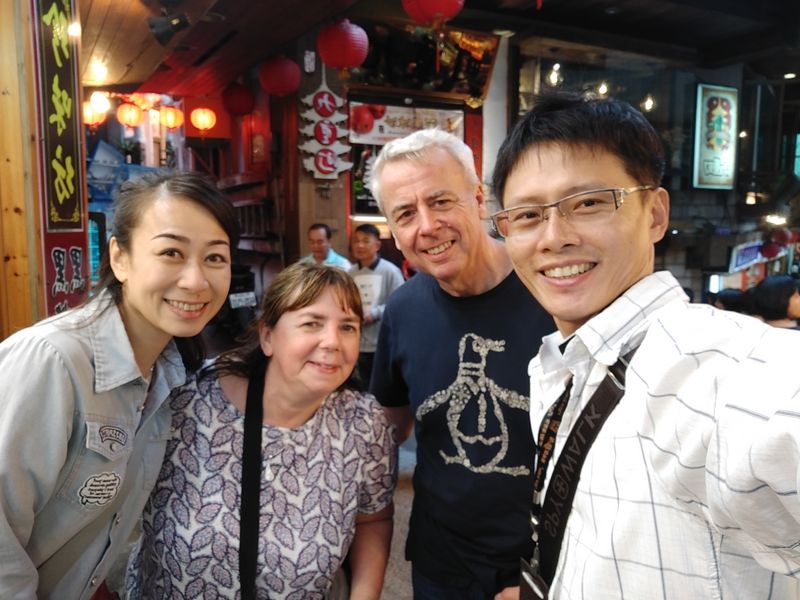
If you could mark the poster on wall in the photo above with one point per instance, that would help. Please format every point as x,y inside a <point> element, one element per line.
<point>372,123</point>
<point>715,137</point>
<point>63,195</point>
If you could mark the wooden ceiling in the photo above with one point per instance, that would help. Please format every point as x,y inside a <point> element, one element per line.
<point>227,37</point>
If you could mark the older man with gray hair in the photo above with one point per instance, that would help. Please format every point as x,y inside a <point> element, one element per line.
<point>451,360</point>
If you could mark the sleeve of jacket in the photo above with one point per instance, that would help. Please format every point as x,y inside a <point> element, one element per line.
<point>36,416</point>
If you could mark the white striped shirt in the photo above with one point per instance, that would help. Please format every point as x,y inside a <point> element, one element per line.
<point>690,490</point>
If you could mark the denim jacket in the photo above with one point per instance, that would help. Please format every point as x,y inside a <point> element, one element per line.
<point>72,400</point>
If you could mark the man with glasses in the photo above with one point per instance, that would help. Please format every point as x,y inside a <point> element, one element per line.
<point>690,488</point>
<point>451,357</point>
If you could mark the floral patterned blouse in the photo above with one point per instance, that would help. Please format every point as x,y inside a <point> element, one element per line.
<point>315,480</point>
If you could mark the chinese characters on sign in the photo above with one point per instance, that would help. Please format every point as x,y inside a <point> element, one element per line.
<point>716,137</point>
<point>322,133</point>
<point>63,213</point>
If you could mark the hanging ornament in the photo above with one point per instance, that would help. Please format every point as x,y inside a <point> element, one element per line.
<point>129,114</point>
<point>279,76</point>
<point>432,12</point>
<point>238,99</point>
<point>91,117</point>
<point>171,117</point>
<point>770,250</point>
<point>342,45</point>
<point>203,118</point>
<point>781,236</point>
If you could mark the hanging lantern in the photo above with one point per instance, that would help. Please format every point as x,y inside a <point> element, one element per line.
<point>170,117</point>
<point>781,236</point>
<point>279,76</point>
<point>91,117</point>
<point>129,114</point>
<point>238,99</point>
<point>342,45</point>
<point>203,118</point>
<point>432,11</point>
<point>770,250</point>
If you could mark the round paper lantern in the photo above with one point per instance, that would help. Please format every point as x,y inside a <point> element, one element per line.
<point>171,117</point>
<point>238,99</point>
<point>279,76</point>
<point>361,119</point>
<point>432,11</point>
<point>129,114</point>
<point>770,249</point>
<point>342,45</point>
<point>203,118</point>
<point>91,117</point>
<point>781,236</point>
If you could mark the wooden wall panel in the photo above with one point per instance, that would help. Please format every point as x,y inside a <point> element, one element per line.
<point>20,287</point>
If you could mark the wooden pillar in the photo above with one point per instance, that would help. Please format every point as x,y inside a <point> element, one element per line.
<point>21,296</point>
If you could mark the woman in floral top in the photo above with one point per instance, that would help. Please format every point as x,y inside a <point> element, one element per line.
<point>327,460</point>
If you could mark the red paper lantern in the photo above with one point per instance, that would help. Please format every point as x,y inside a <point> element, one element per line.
<point>781,236</point>
<point>91,117</point>
<point>361,119</point>
<point>432,11</point>
<point>238,99</point>
<point>770,250</point>
<point>203,118</point>
<point>171,117</point>
<point>279,76</point>
<point>342,45</point>
<point>129,114</point>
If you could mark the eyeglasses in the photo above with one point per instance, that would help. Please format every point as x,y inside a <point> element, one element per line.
<point>592,206</point>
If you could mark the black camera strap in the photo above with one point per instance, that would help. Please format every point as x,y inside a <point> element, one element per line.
<point>250,507</point>
<point>549,518</point>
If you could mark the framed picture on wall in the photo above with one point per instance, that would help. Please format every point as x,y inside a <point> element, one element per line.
<point>715,137</point>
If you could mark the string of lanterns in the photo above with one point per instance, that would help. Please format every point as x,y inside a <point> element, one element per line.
<point>131,109</point>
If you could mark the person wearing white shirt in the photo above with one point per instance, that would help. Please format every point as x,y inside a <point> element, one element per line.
<point>690,488</point>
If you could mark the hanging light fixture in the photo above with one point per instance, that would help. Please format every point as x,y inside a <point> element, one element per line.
<point>203,119</point>
<point>100,101</point>
<point>432,12</point>
<point>129,114</point>
<point>171,117</point>
<point>91,117</point>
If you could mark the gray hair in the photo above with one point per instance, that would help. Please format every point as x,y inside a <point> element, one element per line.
<point>414,147</point>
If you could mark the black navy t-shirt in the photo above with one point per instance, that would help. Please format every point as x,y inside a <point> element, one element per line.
<point>461,364</point>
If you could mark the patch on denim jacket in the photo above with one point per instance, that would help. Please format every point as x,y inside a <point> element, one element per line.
<point>112,441</point>
<point>100,489</point>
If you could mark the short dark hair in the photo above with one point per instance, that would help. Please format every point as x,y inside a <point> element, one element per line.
<point>324,227</point>
<point>772,296</point>
<point>736,300</point>
<point>370,229</point>
<point>573,119</point>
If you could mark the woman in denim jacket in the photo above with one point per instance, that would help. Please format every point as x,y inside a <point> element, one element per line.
<point>79,390</point>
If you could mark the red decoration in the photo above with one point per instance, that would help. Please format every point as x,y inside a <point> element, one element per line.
<point>432,11</point>
<point>238,99</point>
<point>377,110</point>
<point>770,249</point>
<point>342,45</point>
<point>279,76</point>
<point>361,119</point>
<point>91,117</point>
<point>795,237</point>
<point>203,118</point>
<point>325,132</point>
<point>171,117</point>
<point>129,114</point>
<point>781,236</point>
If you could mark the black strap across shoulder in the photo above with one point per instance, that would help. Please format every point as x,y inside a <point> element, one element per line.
<point>250,508</point>
<point>553,513</point>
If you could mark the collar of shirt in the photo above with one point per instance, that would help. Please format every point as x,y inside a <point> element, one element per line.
<point>114,360</point>
<point>604,338</point>
<point>372,266</point>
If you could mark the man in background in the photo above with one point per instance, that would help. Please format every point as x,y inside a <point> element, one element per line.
<point>376,279</point>
<point>450,363</point>
<point>319,241</point>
